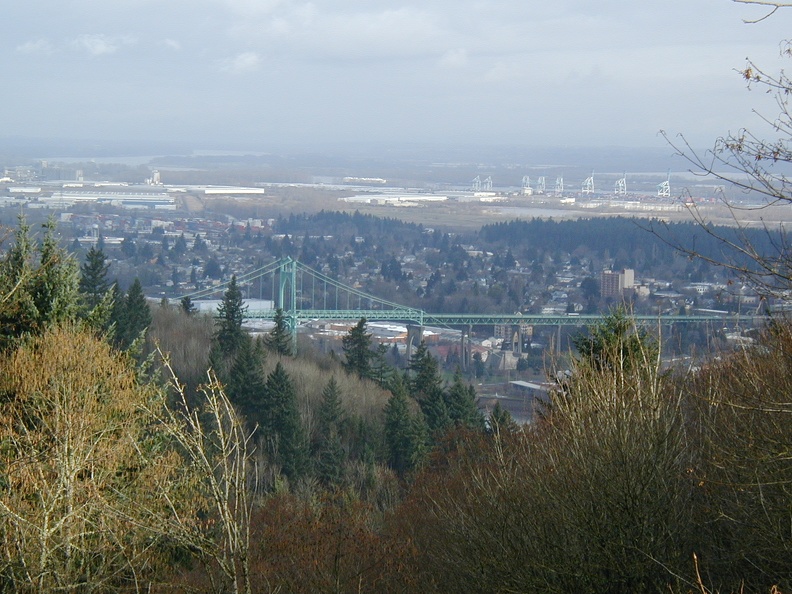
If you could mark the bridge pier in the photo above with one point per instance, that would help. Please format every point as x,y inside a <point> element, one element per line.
<point>414,338</point>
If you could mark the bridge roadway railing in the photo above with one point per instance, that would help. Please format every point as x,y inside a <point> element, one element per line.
<point>422,318</point>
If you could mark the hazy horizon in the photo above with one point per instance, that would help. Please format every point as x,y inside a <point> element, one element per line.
<point>253,74</point>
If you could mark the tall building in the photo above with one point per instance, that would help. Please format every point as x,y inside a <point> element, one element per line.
<point>613,284</point>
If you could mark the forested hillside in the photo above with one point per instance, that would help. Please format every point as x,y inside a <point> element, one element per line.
<point>155,449</point>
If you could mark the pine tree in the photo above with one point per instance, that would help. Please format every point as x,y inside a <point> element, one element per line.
<point>246,383</point>
<point>279,340</point>
<point>405,435</point>
<point>380,371</point>
<point>281,426</point>
<point>230,314</point>
<point>357,350</point>
<point>38,287</point>
<point>187,305</point>
<point>135,317</point>
<point>500,420</point>
<point>425,373</point>
<point>55,286</point>
<point>93,278</point>
<point>461,404</point>
<point>435,412</point>
<point>329,450</point>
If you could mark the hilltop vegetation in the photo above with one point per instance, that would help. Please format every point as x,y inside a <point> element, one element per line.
<point>124,471</point>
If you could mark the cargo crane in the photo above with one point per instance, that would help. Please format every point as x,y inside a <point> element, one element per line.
<point>588,185</point>
<point>559,185</point>
<point>621,186</point>
<point>540,185</point>
<point>526,186</point>
<point>488,184</point>
<point>664,189</point>
<point>477,184</point>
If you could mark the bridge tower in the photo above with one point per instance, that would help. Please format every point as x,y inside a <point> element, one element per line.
<point>287,277</point>
<point>414,338</point>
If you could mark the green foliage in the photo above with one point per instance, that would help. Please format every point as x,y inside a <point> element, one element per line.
<point>133,316</point>
<point>328,449</point>
<point>357,350</point>
<point>279,340</point>
<point>425,372</point>
<point>405,433</point>
<point>616,343</point>
<point>500,420</point>
<point>246,383</point>
<point>280,425</point>
<point>93,277</point>
<point>230,314</point>
<point>187,305</point>
<point>38,285</point>
<point>460,401</point>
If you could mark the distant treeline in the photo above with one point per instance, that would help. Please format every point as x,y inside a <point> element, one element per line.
<point>634,237</point>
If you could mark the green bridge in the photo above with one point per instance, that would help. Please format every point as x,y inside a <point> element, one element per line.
<point>305,294</point>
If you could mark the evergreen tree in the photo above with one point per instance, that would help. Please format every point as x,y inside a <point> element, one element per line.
<point>500,420</point>
<point>93,278</point>
<point>187,305</point>
<point>615,343</point>
<point>425,373</point>
<point>281,426</point>
<point>246,383</point>
<point>405,435</point>
<point>230,314</point>
<point>55,286</point>
<point>435,412</point>
<point>329,450</point>
<point>381,372</point>
<point>38,287</point>
<point>461,404</point>
<point>279,340</point>
<point>180,246</point>
<point>135,317</point>
<point>357,350</point>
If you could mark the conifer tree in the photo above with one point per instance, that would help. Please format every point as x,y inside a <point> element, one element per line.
<point>229,335</point>
<point>135,316</point>
<point>93,277</point>
<point>246,383</point>
<point>281,426</point>
<point>187,305</point>
<point>55,285</point>
<point>38,287</point>
<point>329,450</point>
<point>461,404</point>
<point>425,373</point>
<point>357,350</point>
<point>405,435</point>
<point>500,420</point>
<point>381,372</point>
<point>279,340</point>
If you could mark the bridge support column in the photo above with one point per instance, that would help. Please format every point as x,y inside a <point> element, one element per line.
<point>414,337</point>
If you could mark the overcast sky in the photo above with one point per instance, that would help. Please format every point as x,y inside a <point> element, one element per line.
<point>233,73</point>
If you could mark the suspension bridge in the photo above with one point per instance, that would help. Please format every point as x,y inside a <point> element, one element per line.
<point>304,294</point>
